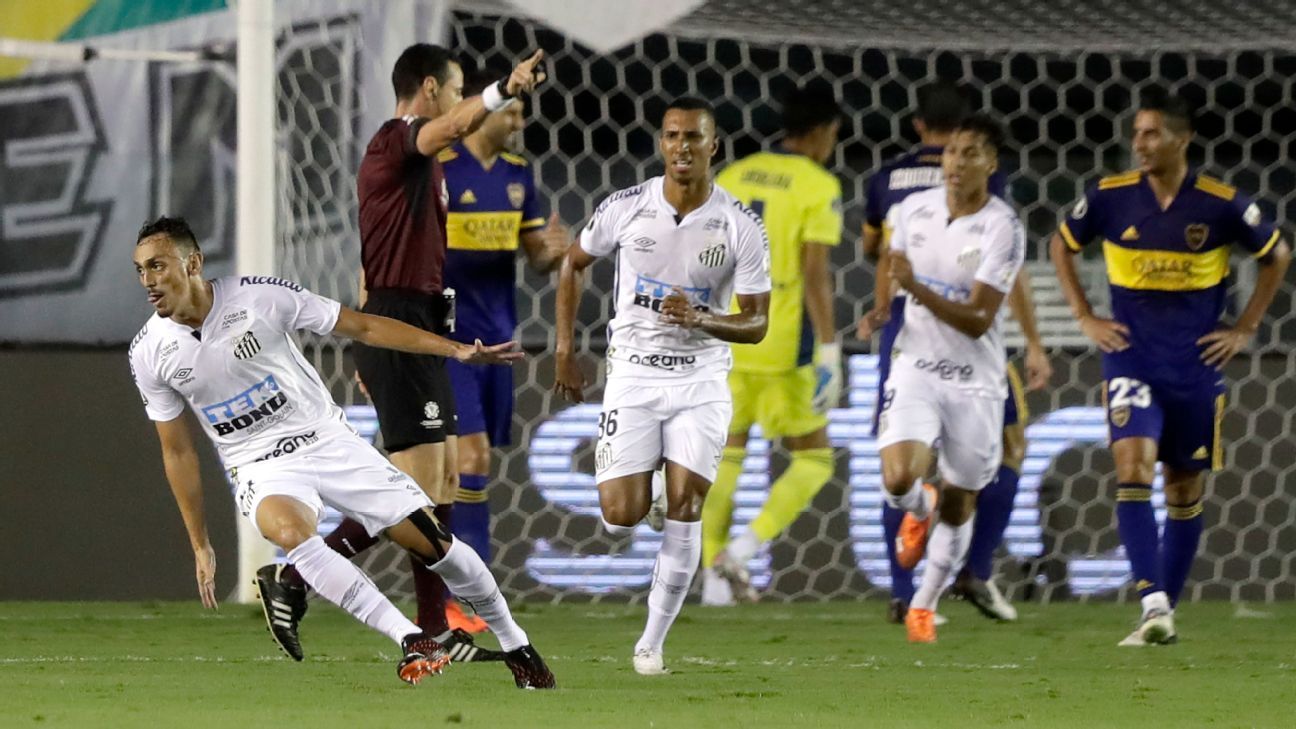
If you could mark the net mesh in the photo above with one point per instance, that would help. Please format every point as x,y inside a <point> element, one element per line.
<point>1062,77</point>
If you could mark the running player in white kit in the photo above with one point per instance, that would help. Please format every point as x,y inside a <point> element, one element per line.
<point>684,247</point>
<point>955,251</point>
<point>225,347</point>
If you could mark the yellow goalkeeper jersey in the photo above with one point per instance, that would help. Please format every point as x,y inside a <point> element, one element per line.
<point>799,201</point>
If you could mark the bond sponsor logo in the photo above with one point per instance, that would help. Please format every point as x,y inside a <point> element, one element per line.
<point>671,362</point>
<point>289,445</point>
<point>1196,235</point>
<point>649,293</point>
<point>924,213</point>
<point>253,410</point>
<point>431,415</point>
<point>713,257</point>
<point>713,224</point>
<point>169,349</point>
<point>643,244</point>
<point>233,319</point>
<point>644,214</point>
<point>268,281</point>
<point>246,346</point>
<point>946,369</point>
<point>516,194</point>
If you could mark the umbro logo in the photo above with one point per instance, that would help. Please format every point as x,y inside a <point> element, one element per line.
<point>182,373</point>
<point>246,346</point>
<point>644,244</point>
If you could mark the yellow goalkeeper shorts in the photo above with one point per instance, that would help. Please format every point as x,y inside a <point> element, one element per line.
<point>780,403</point>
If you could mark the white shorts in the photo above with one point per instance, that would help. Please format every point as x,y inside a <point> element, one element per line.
<point>342,471</point>
<point>643,423</point>
<point>969,427</point>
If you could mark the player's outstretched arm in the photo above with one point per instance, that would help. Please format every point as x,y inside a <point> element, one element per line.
<point>464,117</point>
<point>1221,345</point>
<point>1038,368</point>
<point>380,331</point>
<point>1109,335</point>
<point>874,320</point>
<point>569,381</point>
<point>748,326</point>
<point>973,318</point>
<point>180,460</point>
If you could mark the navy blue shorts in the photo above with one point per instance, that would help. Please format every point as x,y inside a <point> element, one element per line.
<point>1014,405</point>
<point>1182,417</point>
<point>484,398</point>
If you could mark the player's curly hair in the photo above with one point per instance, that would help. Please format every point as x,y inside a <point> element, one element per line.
<point>417,63</point>
<point>985,125</point>
<point>177,229</point>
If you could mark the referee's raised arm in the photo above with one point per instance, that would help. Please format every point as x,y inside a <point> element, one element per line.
<point>466,115</point>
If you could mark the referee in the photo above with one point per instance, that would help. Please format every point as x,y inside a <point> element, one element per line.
<point>403,205</point>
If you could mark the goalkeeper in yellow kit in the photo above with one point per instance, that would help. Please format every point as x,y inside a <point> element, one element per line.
<point>788,381</point>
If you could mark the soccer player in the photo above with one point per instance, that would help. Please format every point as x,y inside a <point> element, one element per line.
<point>1166,231</point>
<point>493,208</point>
<point>684,247</point>
<point>955,251</point>
<point>403,201</point>
<point>941,105</point>
<point>788,381</point>
<point>225,346</point>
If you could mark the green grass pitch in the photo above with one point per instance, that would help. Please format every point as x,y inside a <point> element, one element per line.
<point>814,665</point>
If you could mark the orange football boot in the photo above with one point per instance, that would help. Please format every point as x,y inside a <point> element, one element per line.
<point>911,541</point>
<point>920,625</point>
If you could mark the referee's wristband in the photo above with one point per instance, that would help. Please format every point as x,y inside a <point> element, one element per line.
<point>494,98</point>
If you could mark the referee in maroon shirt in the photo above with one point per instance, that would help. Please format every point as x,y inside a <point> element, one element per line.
<point>403,203</point>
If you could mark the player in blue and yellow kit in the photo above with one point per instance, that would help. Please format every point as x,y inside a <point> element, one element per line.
<point>1166,231</point>
<point>941,106</point>
<point>493,209</point>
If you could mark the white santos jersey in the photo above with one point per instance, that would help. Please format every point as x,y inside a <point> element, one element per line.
<point>714,252</point>
<point>950,257</point>
<point>250,387</point>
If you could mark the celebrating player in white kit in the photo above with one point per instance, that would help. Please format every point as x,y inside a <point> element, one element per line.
<point>684,247</point>
<point>955,251</point>
<point>224,345</point>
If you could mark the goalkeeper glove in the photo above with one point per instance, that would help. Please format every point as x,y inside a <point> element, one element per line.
<point>828,377</point>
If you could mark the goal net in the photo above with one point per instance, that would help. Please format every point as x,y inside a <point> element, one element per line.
<point>1062,76</point>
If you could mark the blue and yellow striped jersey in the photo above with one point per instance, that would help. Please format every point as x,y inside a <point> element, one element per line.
<point>1168,269</point>
<point>799,201</point>
<point>489,210</point>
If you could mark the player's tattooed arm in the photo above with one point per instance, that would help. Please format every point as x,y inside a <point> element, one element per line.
<point>569,381</point>
<point>1222,345</point>
<point>1108,334</point>
<point>972,318</point>
<point>380,331</point>
<point>180,460</point>
<point>748,326</point>
<point>464,117</point>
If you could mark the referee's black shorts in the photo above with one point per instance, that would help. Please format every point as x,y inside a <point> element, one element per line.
<point>411,392</point>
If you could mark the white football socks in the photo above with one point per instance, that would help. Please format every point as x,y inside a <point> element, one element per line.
<point>677,562</point>
<point>344,585</point>
<point>472,582</point>
<point>744,547</point>
<point>616,530</point>
<point>916,500</point>
<point>947,547</point>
